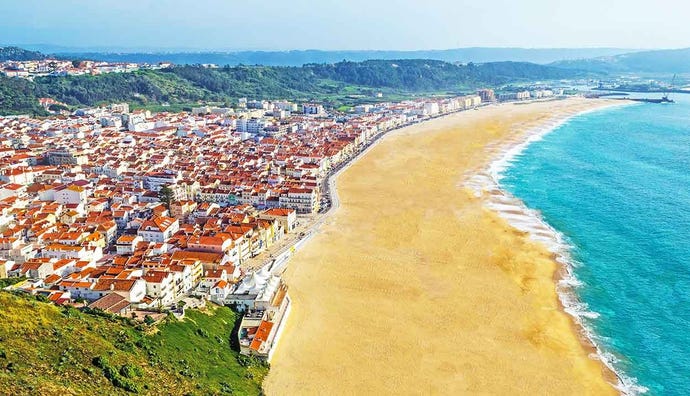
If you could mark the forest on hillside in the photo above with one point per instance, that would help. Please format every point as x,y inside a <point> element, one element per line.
<point>195,83</point>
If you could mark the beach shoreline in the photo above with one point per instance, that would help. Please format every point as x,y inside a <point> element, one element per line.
<point>486,157</point>
<point>564,279</point>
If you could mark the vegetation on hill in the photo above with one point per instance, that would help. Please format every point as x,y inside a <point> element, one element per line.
<point>18,96</point>
<point>259,82</point>
<point>414,75</point>
<point>19,54</point>
<point>331,83</point>
<point>137,87</point>
<point>48,350</point>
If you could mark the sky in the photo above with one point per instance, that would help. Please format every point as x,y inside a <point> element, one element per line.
<point>345,24</point>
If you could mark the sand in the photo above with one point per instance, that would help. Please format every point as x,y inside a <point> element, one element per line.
<point>412,286</point>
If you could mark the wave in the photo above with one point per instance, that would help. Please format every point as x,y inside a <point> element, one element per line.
<point>486,183</point>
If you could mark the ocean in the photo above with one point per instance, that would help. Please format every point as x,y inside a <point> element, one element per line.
<point>615,185</point>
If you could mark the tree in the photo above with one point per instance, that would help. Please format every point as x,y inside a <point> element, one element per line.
<point>166,195</point>
<point>57,107</point>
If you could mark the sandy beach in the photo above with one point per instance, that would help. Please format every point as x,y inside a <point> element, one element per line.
<point>413,286</point>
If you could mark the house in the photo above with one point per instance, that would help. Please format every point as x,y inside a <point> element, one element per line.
<point>182,279</point>
<point>113,303</point>
<point>36,268</point>
<point>159,285</point>
<point>126,244</point>
<point>208,260</point>
<point>109,230</point>
<point>5,268</point>
<point>158,229</point>
<point>71,194</point>
<point>79,288</point>
<point>286,217</point>
<point>228,273</point>
<point>220,291</point>
<point>60,251</point>
<point>194,269</point>
<point>219,243</point>
<point>182,209</point>
<point>11,190</point>
<point>133,290</point>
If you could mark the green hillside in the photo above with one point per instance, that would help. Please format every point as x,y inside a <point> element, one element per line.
<point>334,84</point>
<point>18,96</point>
<point>47,350</point>
<point>19,54</point>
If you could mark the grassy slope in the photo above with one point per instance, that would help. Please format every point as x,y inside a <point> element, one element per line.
<point>200,348</point>
<point>45,349</point>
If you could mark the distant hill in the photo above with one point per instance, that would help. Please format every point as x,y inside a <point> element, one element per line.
<point>19,54</point>
<point>658,61</point>
<point>298,58</point>
<point>420,75</point>
<point>323,82</point>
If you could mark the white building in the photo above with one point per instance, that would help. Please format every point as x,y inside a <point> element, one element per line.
<point>311,108</point>
<point>160,285</point>
<point>431,108</point>
<point>303,200</point>
<point>158,229</point>
<point>71,195</point>
<point>127,243</point>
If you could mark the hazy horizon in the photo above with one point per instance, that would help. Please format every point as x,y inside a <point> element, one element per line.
<point>163,49</point>
<point>356,25</point>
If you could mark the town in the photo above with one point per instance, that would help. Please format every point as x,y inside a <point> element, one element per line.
<point>138,214</point>
<point>59,67</point>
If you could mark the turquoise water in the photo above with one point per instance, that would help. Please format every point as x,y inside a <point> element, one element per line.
<point>616,183</point>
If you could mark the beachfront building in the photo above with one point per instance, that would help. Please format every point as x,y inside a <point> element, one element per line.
<point>541,93</point>
<point>255,291</point>
<point>264,299</point>
<point>521,95</point>
<point>487,95</point>
<point>431,109</point>
<point>286,218</point>
<point>303,200</point>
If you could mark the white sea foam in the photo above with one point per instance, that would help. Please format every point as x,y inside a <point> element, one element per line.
<point>486,184</point>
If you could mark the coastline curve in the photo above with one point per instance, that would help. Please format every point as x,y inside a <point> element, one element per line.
<point>486,184</point>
